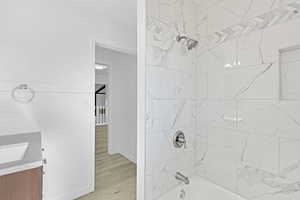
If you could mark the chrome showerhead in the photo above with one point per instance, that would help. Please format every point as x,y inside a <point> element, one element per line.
<point>190,43</point>
<point>181,37</point>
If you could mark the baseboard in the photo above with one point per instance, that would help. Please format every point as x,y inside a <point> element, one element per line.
<point>130,157</point>
<point>72,195</point>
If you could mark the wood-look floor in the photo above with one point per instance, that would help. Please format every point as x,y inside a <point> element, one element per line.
<point>115,175</point>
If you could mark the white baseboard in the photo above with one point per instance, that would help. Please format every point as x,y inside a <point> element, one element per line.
<point>72,195</point>
<point>130,157</point>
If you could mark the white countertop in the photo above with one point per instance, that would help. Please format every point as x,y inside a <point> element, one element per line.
<point>32,157</point>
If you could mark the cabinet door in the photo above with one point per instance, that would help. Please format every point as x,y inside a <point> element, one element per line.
<point>25,185</point>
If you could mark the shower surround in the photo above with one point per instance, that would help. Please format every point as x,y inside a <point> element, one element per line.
<point>236,96</point>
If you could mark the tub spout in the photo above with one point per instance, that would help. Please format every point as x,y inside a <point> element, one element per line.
<point>179,176</point>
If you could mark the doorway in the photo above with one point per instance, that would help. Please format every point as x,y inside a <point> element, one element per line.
<point>115,125</point>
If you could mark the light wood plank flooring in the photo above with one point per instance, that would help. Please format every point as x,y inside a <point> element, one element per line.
<point>115,175</point>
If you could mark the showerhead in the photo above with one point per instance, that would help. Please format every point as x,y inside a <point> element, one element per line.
<point>181,37</point>
<point>190,43</point>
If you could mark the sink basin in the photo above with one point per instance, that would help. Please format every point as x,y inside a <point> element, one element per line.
<point>12,152</point>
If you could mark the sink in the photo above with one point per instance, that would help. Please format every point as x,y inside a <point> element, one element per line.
<point>12,152</point>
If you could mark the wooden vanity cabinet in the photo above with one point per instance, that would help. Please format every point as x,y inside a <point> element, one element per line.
<point>24,185</point>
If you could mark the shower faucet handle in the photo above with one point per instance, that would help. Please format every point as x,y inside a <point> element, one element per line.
<point>179,140</point>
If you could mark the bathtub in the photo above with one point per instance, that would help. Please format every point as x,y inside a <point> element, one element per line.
<point>200,189</point>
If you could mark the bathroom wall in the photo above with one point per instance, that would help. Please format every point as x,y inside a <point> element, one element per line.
<point>48,45</point>
<point>235,96</point>
<point>101,78</point>
<point>170,91</point>
<point>248,111</point>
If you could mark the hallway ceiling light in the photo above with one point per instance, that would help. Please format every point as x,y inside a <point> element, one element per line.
<point>100,66</point>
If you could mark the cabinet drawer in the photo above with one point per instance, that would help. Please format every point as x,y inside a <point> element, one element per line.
<point>24,185</point>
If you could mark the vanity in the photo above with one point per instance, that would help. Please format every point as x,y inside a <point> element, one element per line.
<point>21,172</point>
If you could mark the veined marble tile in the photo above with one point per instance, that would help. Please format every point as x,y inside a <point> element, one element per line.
<point>158,143</point>
<point>181,14</point>
<point>279,37</point>
<point>249,49</point>
<point>257,183</point>
<point>213,74</point>
<point>179,58</point>
<point>290,55</point>
<point>219,18</point>
<point>231,73</point>
<point>148,186</point>
<point>270,117</point>
<point>256,8</point>
<point>290,84</point>
<point>224,95</point>
<point>186,85</point>
<point>155,55</point>
<point>164,113</point>
<point>289,68</point>
<point>173,114</point>
<point>259,117</point>
<point>223,157</point>
<point>217,113</point>
<point>259,167</point>
<point>261,152</point>
<point>289,159</point>
<point>220,33</point>
<point>201,82</point>
<point>152,8</point>
<point>254,82</point>
<point>226,55</point>
<point>161,82</point>
<point>278,196</point>
<point>200,151</point>
<point>238,8</point>
<point>159,34</point>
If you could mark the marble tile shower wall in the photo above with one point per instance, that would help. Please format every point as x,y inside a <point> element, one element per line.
<point>248,134</point>
<point>171,92</point>
<point>236,96</point>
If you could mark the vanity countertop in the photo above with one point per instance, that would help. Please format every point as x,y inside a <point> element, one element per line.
<point>32,157</point>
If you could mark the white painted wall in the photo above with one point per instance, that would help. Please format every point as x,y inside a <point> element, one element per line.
<point>122,100</point>
<point>47,44</point>
<point>101,77</point>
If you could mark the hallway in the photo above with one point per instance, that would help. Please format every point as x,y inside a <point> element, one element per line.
<point>115,175</point>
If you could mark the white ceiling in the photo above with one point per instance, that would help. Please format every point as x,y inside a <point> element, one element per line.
<point>123,13</point>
